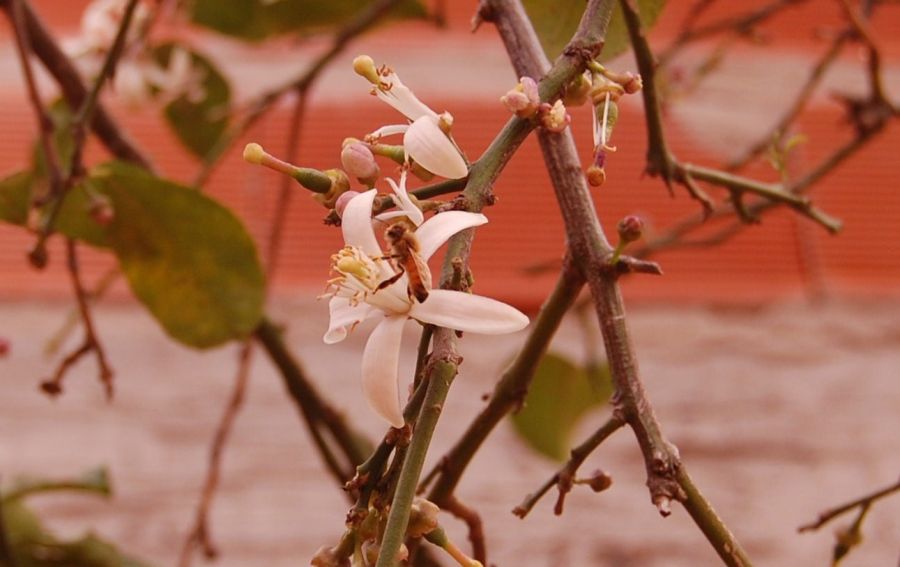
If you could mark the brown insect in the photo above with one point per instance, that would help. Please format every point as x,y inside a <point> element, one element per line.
<point>404,256</point>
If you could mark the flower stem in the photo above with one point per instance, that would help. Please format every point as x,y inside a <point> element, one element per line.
<point>440,378</point>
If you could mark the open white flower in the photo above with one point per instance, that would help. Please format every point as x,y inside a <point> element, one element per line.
<point>425,140</point>
<point>360,269</point>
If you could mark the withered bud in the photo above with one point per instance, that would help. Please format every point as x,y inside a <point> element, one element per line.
<point>630,228</point>
<point>340,184</point>
<point>599,481</point>
<point>577,91</point>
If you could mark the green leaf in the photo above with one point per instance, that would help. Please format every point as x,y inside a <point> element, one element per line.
<point>15,196</point>
<point>560,394</point>
<point>61,116</point>
<point>186,257</point>
<point>255,20</point>
<point>33,545</point>
<point>198,121</point>
<point>555,22</point>
<point>74,218</point>
<point>95,481</point>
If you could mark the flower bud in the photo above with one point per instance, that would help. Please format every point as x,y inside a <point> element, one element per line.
<point>341,202</point>
<point>358,161</point>
<point>555,118</point>
<point>423,518</point>
<point>523,100</point>
<point>630,228</point>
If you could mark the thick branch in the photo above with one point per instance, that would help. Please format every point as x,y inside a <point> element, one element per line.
<point>591,249</point>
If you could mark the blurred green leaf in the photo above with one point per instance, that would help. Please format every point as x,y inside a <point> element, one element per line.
<point>94,481</point>
<point>33,545</point>
<point>198,117</point>
<point>555,22</point>
<point>256,20</point>
<point>61,116</point>
<point>15,196</point>
<point>560,394</point>
<point>186,257</point>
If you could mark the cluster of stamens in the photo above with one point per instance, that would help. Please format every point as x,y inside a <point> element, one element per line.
<point>357,275</point>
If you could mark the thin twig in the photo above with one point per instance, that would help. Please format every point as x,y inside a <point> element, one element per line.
<point>565,476</point>
<point>200,532</point>
<point>511,389</point>
<point>862,501</point>
<point>60,66</point>
<point>45,123</point>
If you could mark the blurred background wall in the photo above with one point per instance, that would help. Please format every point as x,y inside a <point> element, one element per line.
<point>465,73</point>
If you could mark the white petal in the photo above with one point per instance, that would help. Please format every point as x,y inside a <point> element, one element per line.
<point>404,202</point>
<point>403,100</point>
<point>467,312</point>
<point>380,364</point>
<point>356,224</point>
<point>389,130</point>
<point>435,231</point>
<point>341,316</point>
<point>385,218</point>
<point>432,149</point>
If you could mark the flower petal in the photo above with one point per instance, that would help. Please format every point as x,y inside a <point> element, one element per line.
<point>343,314</point>
<point>404,202</point>
<point>467,312</point>
<point>402,99</point>
<point>435,231</point>
<point>432,149</point>
<point>380,364</point>
<point>356,224</point>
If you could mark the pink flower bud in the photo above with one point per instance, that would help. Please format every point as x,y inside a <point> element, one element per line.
<point>555,118</point>
<point>523,99</point>
<point>342,201</point>
<point>102,212</point>
<point>358,161</point>
<point>630,228</point>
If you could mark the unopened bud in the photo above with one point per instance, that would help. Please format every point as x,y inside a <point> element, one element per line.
<point>365,67</point>
<point>630,82</point>
<point>358,161</point>
<point>555,118</point>
<point>423,518</point>
<point>630,228</point>
<point>341,202</point>
<point>523,100</point>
